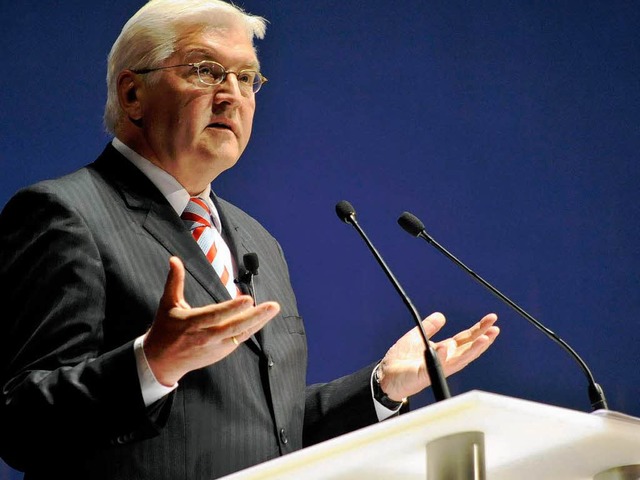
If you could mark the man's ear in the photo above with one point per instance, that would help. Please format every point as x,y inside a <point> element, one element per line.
<point>129,95</point>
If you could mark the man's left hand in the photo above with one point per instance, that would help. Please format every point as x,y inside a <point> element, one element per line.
<point>403,372</point>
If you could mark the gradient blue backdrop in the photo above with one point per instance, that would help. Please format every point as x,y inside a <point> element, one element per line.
<point>511,128</point>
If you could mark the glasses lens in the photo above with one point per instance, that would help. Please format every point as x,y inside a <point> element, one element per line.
<point>257,82</point>
<point>211,73</point>
<point>246,78</point>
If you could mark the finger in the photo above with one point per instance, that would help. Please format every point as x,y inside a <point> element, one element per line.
<point>245,335</point>
<point>217,314</point>
<point>492,333</point>
<point>477,348</point>
<point>469,351</point>
<point>433,323</point>
<point>489,320</point>
<point>447,349</point>
<point>478,329</point>
<point>454,358</point>
<point>247,323</point>
<point>173,295</point>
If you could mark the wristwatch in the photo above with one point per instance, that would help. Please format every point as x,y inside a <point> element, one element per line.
<point>379,394</point>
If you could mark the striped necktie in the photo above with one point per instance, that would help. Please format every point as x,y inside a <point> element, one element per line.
<point>197,218</point>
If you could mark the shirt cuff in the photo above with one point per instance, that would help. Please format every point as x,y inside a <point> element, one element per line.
<point>151,389</point>
<point>381,411</point>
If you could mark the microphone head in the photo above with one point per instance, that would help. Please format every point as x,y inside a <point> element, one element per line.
<point>251,262</point>
<point>411,224</point>
<point>345,211</point>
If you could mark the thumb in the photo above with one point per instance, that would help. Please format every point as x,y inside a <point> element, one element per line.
<point>173,295</point>
<point>433,323</point>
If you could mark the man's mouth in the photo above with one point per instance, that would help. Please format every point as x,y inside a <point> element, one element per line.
<point>220,125</point>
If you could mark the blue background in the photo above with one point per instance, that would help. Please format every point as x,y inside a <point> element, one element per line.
<point>510,128</point>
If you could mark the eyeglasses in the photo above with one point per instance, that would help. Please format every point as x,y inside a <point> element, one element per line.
<point>212,73</point>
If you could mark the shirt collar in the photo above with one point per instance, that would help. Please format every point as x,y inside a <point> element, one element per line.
<point>173,191</point>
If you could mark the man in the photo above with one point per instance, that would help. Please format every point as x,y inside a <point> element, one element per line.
<point>127,349</point>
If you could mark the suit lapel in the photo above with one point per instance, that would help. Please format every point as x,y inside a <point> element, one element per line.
<point>159,219</point>
<point>239,242</point>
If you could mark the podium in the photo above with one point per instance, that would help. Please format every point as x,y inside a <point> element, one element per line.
<point>523,440</point>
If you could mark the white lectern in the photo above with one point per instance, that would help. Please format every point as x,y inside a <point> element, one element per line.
<point>523,440</point>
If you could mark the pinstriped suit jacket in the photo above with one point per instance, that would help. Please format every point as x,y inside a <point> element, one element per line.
<point>83,262</point>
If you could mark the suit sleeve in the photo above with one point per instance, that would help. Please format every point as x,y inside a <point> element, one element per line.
<point>339,407</point>
<point>60,389</point>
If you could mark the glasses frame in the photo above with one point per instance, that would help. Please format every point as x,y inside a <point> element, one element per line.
<point>255,86</point>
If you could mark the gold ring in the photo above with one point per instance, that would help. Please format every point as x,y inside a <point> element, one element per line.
<point>235,340</point>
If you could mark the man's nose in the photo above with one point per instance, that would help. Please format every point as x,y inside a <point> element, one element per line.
<point>229,90</point>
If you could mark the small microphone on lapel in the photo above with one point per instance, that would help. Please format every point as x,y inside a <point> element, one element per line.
<point>248,271</point>
<point>251,263</point>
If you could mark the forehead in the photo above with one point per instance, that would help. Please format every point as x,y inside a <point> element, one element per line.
<point>228,45</point>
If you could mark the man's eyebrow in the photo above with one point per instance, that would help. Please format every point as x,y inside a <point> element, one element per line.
<point>206,54</point>
<point>199,53</point>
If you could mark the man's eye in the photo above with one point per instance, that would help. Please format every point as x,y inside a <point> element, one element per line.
<point>211,72</point>
<point>206,71</point>
<point>247,77</point>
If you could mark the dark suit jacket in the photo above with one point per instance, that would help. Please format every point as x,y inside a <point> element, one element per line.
<point>83,262</point>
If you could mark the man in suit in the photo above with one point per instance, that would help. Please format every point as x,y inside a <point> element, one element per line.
<point>127,349</point>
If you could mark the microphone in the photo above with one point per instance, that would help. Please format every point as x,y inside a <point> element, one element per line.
<point>412,225</point>
<point>347,214</point>
<point>248,271</point>
<point>251,263</point>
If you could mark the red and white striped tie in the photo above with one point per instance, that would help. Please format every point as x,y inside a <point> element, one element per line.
<point>197,218</point>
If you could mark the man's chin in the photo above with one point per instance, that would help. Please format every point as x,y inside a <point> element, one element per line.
<point>219,160</point>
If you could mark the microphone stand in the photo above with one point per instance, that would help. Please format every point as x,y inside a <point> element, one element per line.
<point>412,225</point>
<point>434,369</point>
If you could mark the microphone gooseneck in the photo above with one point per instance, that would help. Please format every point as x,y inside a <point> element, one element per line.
<point>347,214</point>
<point>412,225</point>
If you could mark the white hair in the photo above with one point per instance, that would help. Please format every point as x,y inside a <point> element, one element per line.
<point>150,36</point>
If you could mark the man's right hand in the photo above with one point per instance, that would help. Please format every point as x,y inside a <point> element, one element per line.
<point>183,338</point>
